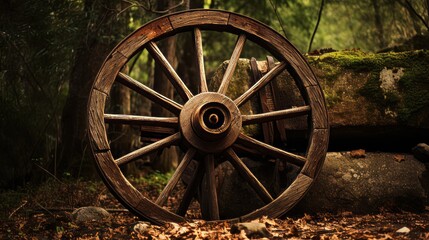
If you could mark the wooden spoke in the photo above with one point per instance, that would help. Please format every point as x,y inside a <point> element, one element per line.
<point>176,176</point>
<point>249,177</point>
<point>260,84</point>
<point>275,115</point>
<point>165,142</point>
<point>142,89</point>
<point>270,150</point>
<point>200,59</point>
<point>209,194</point>
<point>191,190</point>
<point>169,71</point>
<point>232,64</point>
<point>169,122</point>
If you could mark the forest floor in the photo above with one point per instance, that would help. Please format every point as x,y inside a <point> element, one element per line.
<point>45,213</point>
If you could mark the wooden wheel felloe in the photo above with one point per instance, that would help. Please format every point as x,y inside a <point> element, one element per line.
<point>208,126</point>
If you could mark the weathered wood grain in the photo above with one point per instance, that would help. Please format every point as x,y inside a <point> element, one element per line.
<point>156,97</point>
<point>318,109</point>
<point>275,115</point>
<point>200,59</point>
<point>267,127</point>
<point>97,131</point>
<point>209,204</point>
<point>143,35</point>
<point>107,74</point>
<point>199,18</point>
<point>232,64</point>
<point>260,84</point>
<point>169,71</point>
<point>163,143</point>
<point>169,122</point>
<point>277,94</point>
<point>270,150</point>
<point>316,153</point>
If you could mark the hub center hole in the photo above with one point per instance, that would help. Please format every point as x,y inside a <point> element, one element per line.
<point>213,118</point>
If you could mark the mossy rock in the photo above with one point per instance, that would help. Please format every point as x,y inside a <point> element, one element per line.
<point>361,89</point>
<point>395,86</point>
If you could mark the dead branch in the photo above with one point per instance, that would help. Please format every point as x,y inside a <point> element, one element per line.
<point>16,210</point>
<point>417,14</point>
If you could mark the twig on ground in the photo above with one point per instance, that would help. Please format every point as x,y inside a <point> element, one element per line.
<point>16,210</point>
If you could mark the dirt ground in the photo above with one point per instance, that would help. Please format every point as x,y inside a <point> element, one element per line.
<point>58,225</point>
<point>45,213</point>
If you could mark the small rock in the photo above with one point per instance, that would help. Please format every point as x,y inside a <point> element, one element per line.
<point>347,177</point>
<point>359,153</point>
<point>141,227</point>
<point>421,152</point>
<point>403,230</point>
<point>86,214</point>
<point>252,229</point>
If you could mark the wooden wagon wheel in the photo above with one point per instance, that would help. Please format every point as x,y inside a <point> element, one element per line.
<point>208,125</point>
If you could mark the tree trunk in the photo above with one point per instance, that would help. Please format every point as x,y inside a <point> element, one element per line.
<point>378,25</point>
<point>90,54</point>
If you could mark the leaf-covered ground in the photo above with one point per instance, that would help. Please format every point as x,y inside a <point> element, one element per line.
<point>45,213</point>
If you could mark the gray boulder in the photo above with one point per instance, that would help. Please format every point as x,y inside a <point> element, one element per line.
<point>364,185</point>
<point>88,214</point>
<point>378,181</point>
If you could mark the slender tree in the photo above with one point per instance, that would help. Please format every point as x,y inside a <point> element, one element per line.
<point>101,29</point>
<point>319,17</point>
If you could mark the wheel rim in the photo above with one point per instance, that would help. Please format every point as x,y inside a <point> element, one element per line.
<point>218,121</point>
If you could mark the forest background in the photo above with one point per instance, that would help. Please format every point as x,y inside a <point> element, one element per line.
<point>50,53</point>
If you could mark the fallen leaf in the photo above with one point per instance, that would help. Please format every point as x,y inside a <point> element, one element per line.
<point>269,222</point>
<point>399,157</point>
<point>307,217</point>
<point>141,227</point>
<point>293,231</point>
<point>175,229</point>
<point>359,153</point>
<point>242,235</point>
<point>403,230</point>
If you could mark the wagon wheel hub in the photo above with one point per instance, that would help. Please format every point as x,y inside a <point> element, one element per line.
<point>210,122</point>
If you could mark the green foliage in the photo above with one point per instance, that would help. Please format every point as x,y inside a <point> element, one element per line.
<point>36,56</point>
<point>155,180</point>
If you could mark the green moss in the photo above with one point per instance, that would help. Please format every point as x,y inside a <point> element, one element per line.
<point>413,86</point>
<point>332,97</point>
